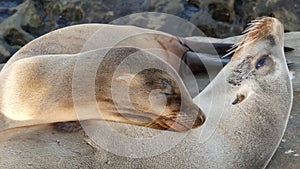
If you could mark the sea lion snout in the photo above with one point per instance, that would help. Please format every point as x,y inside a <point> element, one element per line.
<point>184,117</point>
<point>184,121</point>
<point>200,119</point>
<point>191,116</point>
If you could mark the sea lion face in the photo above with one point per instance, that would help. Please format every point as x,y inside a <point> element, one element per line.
<point>142,89</point>
<point>258,62</point>
<point>159,101</point>
<point>259,93</point>
<point>254,61</point>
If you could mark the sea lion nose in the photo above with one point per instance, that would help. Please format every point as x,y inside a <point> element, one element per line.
<point>192,116</point>
<point>200,119</point>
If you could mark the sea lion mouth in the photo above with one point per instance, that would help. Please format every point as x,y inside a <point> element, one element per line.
<point>164,123</point>
<point>177,123</point>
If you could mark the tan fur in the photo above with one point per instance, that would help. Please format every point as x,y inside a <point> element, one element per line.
<point>258,29</point>
<point>86,37</point>
<point>234,136</point>
<point>38,79</point>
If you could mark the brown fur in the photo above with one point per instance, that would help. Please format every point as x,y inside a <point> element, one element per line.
<point>258,29</point>
<point>42,90</point>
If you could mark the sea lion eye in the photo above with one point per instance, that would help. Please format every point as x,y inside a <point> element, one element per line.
<point>165,93</point>
<point>261,61</point>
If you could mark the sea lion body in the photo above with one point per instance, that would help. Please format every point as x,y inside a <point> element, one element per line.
<point>86,37</point>
<point>247,107</point>
<point>51,58</point>
<point>40,90</point>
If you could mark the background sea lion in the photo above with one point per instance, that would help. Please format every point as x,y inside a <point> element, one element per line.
<point>86,37</point>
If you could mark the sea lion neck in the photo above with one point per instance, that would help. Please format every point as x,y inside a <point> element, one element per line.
<point>247,88</point>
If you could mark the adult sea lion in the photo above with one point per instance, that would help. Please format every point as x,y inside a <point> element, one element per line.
<point>247,107</point>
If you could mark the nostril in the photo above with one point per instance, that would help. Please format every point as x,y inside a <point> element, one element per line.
<point>239,98</point>
<point>201,116</point>
<point>200,119</point>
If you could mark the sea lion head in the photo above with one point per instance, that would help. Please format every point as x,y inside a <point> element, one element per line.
<point>258,64</point>
<point>258,91</point>
<point>166,101</point>
<point>154,96</point>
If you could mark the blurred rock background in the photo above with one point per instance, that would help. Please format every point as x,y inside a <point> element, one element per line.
<point>23,20</point>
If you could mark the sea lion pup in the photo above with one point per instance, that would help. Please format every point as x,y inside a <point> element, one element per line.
<point>247,108</point>
<point>40,90</point>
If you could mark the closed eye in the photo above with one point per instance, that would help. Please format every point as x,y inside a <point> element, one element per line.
<point>261,61</point>
<point>167,94</point>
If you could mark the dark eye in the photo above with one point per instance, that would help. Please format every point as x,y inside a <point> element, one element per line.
<point>261,61</point>
<point>167,94</point>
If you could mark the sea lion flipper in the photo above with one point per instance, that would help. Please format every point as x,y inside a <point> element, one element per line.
<point>288,49</point>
